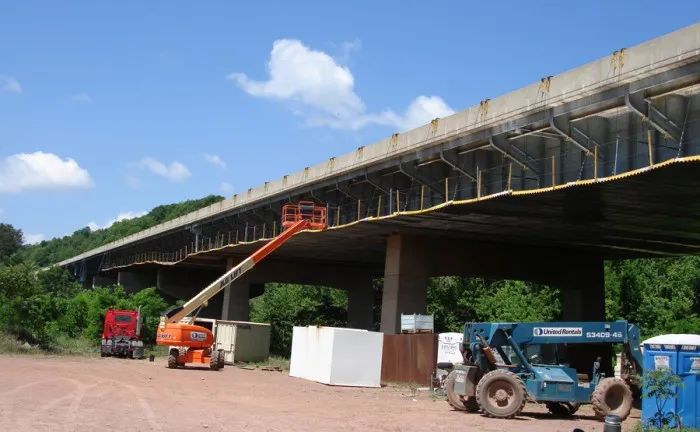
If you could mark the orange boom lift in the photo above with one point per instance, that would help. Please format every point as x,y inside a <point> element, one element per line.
<point>192,343</point>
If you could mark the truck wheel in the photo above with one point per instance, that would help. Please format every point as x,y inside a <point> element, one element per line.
<point>501,394</point>
<point>458,402</point>
<point>222,359</point>
<point>612,396</point>
<point>172,358</point>
<point>562,409</point>
<point>214,361</point>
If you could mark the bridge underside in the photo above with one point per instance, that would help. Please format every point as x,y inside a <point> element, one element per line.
<point>557,236</point>
<point>652,213</point>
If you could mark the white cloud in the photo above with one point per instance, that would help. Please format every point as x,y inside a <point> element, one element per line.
<point>10,84</point>
<point>81,98</point>
<point>323,91</point>
<point>33,238</point>
<point>41,171</point>
<point>226,187</point>
<point>214,160</point>
<point>120,217</point>
<point>174,171</point>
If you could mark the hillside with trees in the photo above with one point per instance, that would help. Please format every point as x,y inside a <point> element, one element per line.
<point>55,250</point>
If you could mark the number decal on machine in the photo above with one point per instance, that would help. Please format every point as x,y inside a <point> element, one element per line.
<point>604,335</point>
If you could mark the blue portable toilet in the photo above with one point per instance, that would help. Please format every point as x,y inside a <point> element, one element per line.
<point>681,354</point>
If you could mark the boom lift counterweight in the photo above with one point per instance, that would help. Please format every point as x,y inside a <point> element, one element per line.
<point>192,343</point>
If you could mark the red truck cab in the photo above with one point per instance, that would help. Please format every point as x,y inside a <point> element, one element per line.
<point>121,335</point>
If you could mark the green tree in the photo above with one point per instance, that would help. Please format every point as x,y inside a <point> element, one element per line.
<point>11,240</point>
<point>662,386</point>
<point>285,306</point>
<point>660,295</point>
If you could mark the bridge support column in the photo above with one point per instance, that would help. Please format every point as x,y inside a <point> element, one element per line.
<point>582,288</point>
<point>236,298</point>
<point>136,281</point>
<point>236,302</point>
<point>184,283</point>
<point>360,302</point>
<point>405,281</point>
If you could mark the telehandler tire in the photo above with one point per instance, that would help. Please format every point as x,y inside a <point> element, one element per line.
<point>458,402</point>
<point>172,358</point>
<point>501,394</point>
<point>612,396</point>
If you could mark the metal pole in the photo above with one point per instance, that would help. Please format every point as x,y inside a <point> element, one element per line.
<point>422,192</point>
<point>337,216</point>
<point>554,177</point>
<point>447,189</point>
<point>379,205</point>
<point>398,201</point>
<point>510,175</point>
<point>595,162</point>
<point>617,143</point>
<point>358,209</point>
<point>650,144</point>
<point>479,178</point>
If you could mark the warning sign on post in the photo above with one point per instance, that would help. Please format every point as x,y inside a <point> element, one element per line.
<point>661,362</point>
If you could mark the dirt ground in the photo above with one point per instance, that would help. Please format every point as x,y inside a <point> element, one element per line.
<point>90,394</point>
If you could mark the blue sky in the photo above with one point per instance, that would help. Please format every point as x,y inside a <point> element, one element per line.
<point>108,109</point>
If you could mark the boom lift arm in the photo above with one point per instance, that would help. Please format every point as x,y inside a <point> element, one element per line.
<point>196,340</point>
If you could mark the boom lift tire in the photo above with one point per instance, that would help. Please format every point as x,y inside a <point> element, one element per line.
<point>612,396</point>
<point>562,409</point>
<point>214,361</point>
<point>501,394</point>
<point>222,358</point>
<point>456,401</point>
<point>172,358</point>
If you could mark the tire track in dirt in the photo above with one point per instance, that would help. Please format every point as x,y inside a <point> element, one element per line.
<point>143,403</point>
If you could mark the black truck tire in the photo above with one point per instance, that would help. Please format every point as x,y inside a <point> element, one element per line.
<point>612,396</point>
<point>501,394</point>
<point>172,358</point>
<point>457,402</point>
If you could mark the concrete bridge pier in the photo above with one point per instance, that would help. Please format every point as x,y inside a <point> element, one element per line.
<point>360,291</point>
<point>184,283</point>
<point>405,281</point>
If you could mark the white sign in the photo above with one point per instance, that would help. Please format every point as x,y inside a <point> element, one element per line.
<point>695,366</point>
<point>557,331</point>
<point>661,362</point>
<point>448,347</point>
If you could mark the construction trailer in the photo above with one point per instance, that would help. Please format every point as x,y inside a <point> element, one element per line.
<point>241,341</point>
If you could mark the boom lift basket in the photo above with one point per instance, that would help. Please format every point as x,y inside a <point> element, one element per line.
<point>293,213</point>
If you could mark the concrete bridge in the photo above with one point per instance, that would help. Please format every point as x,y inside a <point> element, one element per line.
<point>541,184</point>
